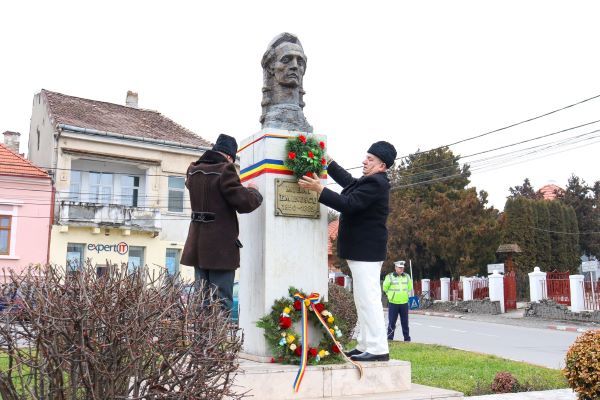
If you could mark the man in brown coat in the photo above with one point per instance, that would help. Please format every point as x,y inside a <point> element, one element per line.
<point>216,194</point>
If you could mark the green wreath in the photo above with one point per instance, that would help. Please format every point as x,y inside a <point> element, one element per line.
<point>286,344</point>
<point>306,155</point>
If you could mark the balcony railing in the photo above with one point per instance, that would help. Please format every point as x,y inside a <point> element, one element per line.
<point>76,213</point>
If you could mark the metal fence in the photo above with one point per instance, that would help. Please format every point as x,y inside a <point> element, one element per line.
<point>480,288</point>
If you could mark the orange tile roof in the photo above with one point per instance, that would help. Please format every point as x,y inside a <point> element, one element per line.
<point>332,234</point>
<point>15,165</point>
<point>116,118</point>
<point>550,191</point>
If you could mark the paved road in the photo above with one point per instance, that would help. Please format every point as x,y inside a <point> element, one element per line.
<point>533,345</point>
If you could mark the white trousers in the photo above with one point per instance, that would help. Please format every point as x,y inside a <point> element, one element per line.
<point>372,334</point>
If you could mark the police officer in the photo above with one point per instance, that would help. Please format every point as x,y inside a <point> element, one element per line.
<point>397,286</point>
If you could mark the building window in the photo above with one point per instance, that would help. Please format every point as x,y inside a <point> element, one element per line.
<point>75,256</point>
<point>75,186</point>
<point>172,261</point>
<point>5,223</point>
<point>176,189</point>
<point>38,139</point>
<point>130,188</point>
<point>101,185</point>
<point>136,258</point>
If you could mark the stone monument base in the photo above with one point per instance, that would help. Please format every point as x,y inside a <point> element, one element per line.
<point>381,380</point>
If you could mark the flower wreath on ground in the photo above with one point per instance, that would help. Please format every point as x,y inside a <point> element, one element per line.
<point>286,343</point>
<point>305,155</point>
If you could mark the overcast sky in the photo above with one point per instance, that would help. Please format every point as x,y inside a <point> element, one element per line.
<point>419,74</point>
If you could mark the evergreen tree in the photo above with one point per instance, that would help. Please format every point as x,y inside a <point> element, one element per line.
<point>542,236</point>
<point>519,223</point>
<point>526,190</point>
<point>557,227</point>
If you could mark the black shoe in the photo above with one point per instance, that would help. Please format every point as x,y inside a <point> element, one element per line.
<point>407,340</point>
<point>351,353</point>
<point>371,357</point>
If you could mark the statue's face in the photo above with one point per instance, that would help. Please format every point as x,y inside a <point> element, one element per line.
<point>289,65</point>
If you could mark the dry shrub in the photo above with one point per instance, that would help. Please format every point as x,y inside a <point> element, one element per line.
<point>504,382</point>
<point>582,366</point>
<point>122,335</point>
<point>341,304</point>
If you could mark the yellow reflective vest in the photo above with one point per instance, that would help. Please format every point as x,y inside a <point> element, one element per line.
<point>397,288</point>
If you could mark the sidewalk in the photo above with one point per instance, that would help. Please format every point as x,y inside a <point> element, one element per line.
<point>562,394</point>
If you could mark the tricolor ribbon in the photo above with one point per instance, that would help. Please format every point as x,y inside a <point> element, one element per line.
<point>313,298</point>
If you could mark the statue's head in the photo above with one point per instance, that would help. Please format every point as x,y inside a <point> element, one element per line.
<point>284,64</point>
<point>285,60</point>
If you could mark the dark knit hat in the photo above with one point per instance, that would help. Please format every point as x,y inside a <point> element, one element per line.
<point>385,151</point>
<point>226,144</point>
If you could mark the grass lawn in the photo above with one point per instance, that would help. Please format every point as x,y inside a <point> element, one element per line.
<point>467,372</point>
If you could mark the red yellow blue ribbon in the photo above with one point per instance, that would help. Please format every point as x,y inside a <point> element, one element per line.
<point>313,298</point>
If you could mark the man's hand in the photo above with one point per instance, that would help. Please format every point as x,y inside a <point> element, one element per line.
<point>314,183</point>
<point>252,186</point>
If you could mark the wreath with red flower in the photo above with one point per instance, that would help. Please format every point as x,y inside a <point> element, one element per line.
<point>286,344</point>
<point>305,155</point>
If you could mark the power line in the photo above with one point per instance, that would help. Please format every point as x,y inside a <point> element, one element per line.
<point>497,130</point>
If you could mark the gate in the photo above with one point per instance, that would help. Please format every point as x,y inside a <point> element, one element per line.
<point>480,288</point>
<point>456,290</point>
<point>558,287</point>
<point>510,291</point>
<point>435,290</point>
<point>591,295</point>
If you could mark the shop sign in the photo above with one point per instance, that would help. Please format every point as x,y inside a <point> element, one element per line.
<point>121,247</point>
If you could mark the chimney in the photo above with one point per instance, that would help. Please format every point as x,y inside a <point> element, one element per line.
<point>132,99</point>
<point>11,140</point>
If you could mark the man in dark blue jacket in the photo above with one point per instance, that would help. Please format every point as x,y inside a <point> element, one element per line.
<point>362,240</point>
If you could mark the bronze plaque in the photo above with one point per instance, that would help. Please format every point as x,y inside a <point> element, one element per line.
<point>293,201</point>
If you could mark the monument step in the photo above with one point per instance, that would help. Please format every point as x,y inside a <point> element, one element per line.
<point>381,380</point>
<point>417,392</point>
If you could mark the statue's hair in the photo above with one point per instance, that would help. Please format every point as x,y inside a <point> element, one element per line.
<point>267,59</point>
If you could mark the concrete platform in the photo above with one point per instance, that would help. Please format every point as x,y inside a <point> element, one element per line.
<point>381,380</point>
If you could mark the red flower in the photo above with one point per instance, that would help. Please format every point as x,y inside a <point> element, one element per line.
<point>272,360</point>
<point>285,322</point>
<point>310,154</point>
<point>319,307</point>
<point>297,305</point>
<point>302,139</point>
<point>323,161</point>
<point>335,349</point>
<point>322,145</point>
<point>312,352</point>
<point>298,351</point>
<point>291,155</point>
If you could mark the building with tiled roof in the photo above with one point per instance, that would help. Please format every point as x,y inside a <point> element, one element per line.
<point>119,175</point>
<point>332,234</point>
<point>25,210</point>
<point>550,191</point>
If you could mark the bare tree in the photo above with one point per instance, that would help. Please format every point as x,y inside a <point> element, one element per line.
<point>122,335</point>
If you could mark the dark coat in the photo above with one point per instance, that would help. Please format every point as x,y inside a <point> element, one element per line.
<point>364,208</point>
<point>215,187</point>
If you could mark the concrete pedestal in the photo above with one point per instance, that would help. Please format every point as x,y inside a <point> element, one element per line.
<point>381,380</point>
<point>278,251</point>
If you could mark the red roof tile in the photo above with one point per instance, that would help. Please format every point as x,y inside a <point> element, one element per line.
<point>332,234</point>
<point>15,165</point>
<point>115,118</point>
<point>550,191</point>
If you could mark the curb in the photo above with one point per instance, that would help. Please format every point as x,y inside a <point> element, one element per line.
<point>571,328</point>
<point>554,327</point>
<point>436,314</point>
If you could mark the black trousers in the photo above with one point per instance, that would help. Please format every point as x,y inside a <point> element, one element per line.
<point>393,311</point>
<point>223,280</point>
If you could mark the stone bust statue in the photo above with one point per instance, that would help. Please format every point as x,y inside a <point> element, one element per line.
<point>284,64</point>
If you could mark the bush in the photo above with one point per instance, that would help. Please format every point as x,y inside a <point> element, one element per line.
<point>119,335</point>
<point>504,382</point>
<point>582,366</point>
<point>341,304</point>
